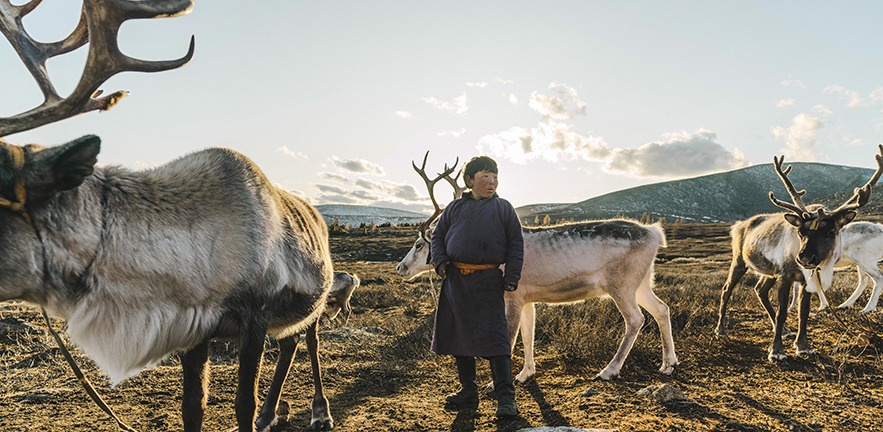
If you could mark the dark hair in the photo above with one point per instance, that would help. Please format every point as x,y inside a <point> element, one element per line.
<point>479,163</point>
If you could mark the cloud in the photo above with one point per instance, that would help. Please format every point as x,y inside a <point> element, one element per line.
<point>457,105</point>
<point>560,107</point>
<point>330,189</point>
<point>359,166</point>
<point>800,137</point>
<point>480,84</point>
<point>403,114</point>
<point>876,96</point>
<point>549,140</point>
<point>681,154</point>
<point>401,192</point>
<point>782,103</point>
<point>854,98</point>
<point>334,177</point>
<point>455,134</point>
<point>513,99</point>
<point>288,152</point>
<point>822,110</point>
<point>791,82</point>
<point>503,81</point>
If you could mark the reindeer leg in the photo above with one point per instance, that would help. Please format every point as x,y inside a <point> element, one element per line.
<point>661,313</point>
<point>194,364</point>
<point>777,350</point>
<point>793,305</point>
<point>862,280</point>
<point>634,319</point>
<point>251,350</point>
<point>528,327</point>
<point>762,290</point>
<point>737,270</point>
<point>877,277</point>
<point>802,343</point>
<point>321,413</point>
<point>271,415</point>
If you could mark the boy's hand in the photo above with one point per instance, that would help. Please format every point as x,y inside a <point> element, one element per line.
<point>440,270</point>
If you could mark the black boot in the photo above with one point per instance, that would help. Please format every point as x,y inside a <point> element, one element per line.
<point>468,394</point>
<point>504,387</point>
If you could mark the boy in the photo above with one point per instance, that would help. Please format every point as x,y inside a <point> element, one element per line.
<point>474,236</point>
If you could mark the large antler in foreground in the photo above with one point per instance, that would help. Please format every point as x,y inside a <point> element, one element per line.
<point>99,26</point>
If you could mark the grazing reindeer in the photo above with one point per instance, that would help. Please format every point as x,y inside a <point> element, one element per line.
<point>145,264</point>
<point>570,263</point>
<point>862,248</point>
<point>342,288</point>
<point>802,246</point>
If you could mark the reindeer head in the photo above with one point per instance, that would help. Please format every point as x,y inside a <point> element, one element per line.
<point>417,259</point>
<point>817,228</point>
<point>30,177</point>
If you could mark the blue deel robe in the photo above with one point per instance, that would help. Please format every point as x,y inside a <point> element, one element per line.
<point>471,316</point>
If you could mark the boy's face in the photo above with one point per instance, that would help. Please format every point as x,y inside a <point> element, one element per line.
<point>484,185</point>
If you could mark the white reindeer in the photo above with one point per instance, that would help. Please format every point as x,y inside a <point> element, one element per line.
<point>571,263</point>
<point>143,264</point>
<point>862,248</point>
<point>801,246</point>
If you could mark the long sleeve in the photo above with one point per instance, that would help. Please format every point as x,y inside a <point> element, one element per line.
<point>437,246</point>
<point>515,247</point>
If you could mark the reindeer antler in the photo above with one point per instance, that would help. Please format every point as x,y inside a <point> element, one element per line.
<point>796,196</point>
<point>430,185</point>
<point>99,25</point>
<point>862,195</point>
<point>458,190</point>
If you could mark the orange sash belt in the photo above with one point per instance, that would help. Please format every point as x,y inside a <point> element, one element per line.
<point>468,269</point>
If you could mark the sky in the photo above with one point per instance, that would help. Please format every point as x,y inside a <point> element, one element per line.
<point>334,100</point>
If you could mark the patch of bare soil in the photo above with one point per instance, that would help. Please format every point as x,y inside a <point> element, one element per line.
<point>379,375</point>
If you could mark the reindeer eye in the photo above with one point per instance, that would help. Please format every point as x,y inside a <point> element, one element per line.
<point>418,246</point>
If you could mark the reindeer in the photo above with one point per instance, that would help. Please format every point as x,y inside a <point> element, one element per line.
<point>143,264</point>
<point>570,263</point>
<point>801,246</point>
<point>862,248</point>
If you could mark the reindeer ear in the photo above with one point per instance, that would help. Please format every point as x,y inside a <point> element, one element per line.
<point>844,218</point>
<point>63,167</point>
<point>793,219</point>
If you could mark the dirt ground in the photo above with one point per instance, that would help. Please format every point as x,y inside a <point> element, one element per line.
<point>379,375</point>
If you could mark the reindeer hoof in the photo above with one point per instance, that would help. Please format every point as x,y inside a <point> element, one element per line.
<point>323,425</point>
<point>606,375</point>
<point>522,378</point>
<point>667,370</point>
<point>774,357</point>
<point>805,351</point>
<point>720,332</point>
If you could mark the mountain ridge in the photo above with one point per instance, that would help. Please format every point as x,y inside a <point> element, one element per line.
<point>720,197</point>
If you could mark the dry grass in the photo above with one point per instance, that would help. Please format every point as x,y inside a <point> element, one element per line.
<point>379,375</point>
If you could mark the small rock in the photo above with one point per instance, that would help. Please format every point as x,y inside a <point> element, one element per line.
<point>663,393</point>
<point>589,393</point>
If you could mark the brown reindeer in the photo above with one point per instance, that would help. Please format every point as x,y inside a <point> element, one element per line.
<point>143,264</point>
<point>802,246</point>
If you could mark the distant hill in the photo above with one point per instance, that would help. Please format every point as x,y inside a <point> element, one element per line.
<point>355,215</point>
<point>722,197</point>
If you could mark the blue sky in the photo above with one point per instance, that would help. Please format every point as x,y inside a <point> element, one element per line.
<point>574,99</point>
